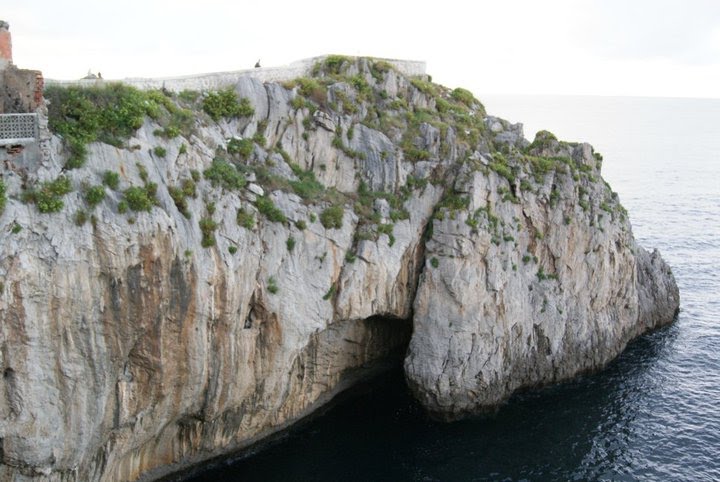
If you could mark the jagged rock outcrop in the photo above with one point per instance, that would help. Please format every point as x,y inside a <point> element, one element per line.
<point>534,293</point>
<point>134,343</point>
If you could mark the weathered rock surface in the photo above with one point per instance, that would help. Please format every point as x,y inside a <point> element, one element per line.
<point>548,297</point>
<point>128,350</point>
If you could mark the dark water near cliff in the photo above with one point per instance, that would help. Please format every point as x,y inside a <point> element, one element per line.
<point>653,414</point>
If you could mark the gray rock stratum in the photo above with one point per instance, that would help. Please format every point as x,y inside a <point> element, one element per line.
<point>247,269</point>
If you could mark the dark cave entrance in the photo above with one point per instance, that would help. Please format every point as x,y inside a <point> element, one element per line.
<point>361,359</point>
<point>350,352</point>
<point>383,344</point>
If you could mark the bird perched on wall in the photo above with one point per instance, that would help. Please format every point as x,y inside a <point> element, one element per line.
<point>257,64</point>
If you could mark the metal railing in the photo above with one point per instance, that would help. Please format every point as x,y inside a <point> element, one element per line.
<point>18,129</point>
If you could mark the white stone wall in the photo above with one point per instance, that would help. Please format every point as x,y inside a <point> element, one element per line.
<point>219,80</point>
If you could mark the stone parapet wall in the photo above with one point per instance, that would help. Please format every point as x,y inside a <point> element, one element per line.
<point>219,80</point>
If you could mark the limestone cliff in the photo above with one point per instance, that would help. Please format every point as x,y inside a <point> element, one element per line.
<point>187,285</point>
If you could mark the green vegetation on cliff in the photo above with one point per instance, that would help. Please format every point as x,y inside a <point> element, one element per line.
<point>110,114</point>
<point>226,104</point>
<point>48,195</point>
<point>3,196</point>
<point>416,122</point>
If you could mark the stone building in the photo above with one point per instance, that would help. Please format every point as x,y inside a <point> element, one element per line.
<point>21,90</point>
<point>23,116</point>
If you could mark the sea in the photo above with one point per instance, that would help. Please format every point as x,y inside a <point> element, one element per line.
<point>651,415</point>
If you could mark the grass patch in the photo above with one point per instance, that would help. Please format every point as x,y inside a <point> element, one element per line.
<point>308,88</point>
<point>222,173</point>
<point>272,286</point>
<point>464,96</point>
<point>111,179</point>
<point>80,217</point>
<point>452,202</point>
<point>94,195</point>
<point>332,217</point>
<point>245,218</point>
<point>543,140</point>
<point>500,167</point>
<point>330,292</point>
<point>178,196</point>
<point>427,88</point>
<point>268,209</point>
<point>361,86</point>
<point>307,186</point>
<point>207,228</point>
<point>335,64</point>
<point>412,153</point>
<point>139,198</point>
<point>3,196</point>
<point>48,198</point>
<point>242,147</point>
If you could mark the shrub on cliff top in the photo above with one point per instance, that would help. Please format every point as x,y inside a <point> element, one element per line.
<point>378,68</point>
<point>464,96</point>
<point>225,103</point>
<point>309,88</point>
<point>543,140</point>
<point>424,86</point>
<point>335,64</point>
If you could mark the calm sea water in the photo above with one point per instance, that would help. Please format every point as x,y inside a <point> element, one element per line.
<point>653,414</point>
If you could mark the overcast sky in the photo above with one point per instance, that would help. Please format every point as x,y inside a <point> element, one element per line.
<point>599,47</point>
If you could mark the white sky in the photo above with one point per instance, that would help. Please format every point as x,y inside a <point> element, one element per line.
<point>598,47</point>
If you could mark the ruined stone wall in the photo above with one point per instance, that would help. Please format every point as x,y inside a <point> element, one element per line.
<point>21,90</point>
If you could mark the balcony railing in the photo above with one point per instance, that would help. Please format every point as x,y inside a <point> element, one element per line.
<point>18,129</point>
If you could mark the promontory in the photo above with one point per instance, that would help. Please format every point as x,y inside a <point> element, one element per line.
<point>188,268</point>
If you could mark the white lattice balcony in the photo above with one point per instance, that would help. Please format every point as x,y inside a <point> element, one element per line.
<point>18,129</point>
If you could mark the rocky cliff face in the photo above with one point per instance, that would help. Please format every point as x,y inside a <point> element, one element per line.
<point>284,252</point>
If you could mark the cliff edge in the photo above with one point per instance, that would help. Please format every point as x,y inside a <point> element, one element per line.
<point>186,273</point>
